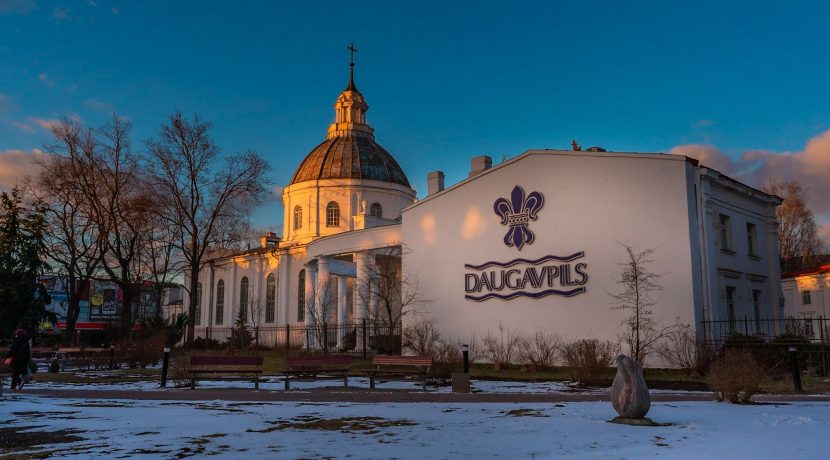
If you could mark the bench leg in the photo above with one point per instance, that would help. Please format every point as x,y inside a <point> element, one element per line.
<point>256,383</point>
<point>192,382</point>
<point>424,384</point>
<point>345,380</point>
<point>371,382</point>
<point>286,382</point>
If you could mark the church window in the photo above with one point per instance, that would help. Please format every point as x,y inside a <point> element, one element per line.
<point>298,217</point>
<point>301,296</point>
<point>220,301</point>
<point>243,297</point>
<point>376,210</point>
<point>270,298</point>
<point>198,315</point>
<point>332,215</point>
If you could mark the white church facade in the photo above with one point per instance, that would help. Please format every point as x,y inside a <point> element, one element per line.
<point>533,243</point>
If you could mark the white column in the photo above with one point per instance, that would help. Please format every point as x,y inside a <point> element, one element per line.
<point>361,292</point>
<point>342,312</point>
<point>323,296</point>
<point>310,279</point>
<point>284,283</point>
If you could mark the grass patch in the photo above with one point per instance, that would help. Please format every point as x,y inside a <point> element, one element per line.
<point>362,425</point>
<point>15,439</point>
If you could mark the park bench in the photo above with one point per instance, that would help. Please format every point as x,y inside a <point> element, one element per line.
<point>400,368</point>
<point>225,368</point>
<point>312,367</point>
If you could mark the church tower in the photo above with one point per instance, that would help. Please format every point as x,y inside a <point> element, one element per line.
<point>349,181</point>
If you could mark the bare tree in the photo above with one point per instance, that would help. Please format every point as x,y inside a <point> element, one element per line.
<point>107,187</point>
<point>798,239</point>
<point>256,311</point>
<point>162,263</point>
<point>391,294</point>
<point>74,241</point>
<point>320,309</point>
<point>639,285</point>
<point>206,197</point>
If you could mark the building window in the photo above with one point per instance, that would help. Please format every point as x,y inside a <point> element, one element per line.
<point>730,307</point>
<point>220,301</point>
<point>197,316</point>
<point>805,298</point>
<point>756,306</point>
<point>376,210</point>
<point>298,217</point>
<point>243,298</point>
<point>725,232</point>
<point>332,215</point>
<point>301,296</point>
<point>751,239</point>
<point>270,298</point>
<point>808,327</point>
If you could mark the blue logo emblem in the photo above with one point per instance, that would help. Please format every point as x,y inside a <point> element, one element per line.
<point>517,214</point>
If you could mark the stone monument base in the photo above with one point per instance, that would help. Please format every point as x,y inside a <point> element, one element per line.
<point>460,382</point>
<point>645,421</point>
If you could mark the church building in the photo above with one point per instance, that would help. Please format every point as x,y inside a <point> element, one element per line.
<point>537,242</point>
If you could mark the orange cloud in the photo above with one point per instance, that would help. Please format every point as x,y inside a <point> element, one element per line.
<point>15,165</point>
<point>810,167</point>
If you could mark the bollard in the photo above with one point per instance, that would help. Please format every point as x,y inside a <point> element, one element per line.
<point>796,369</point>
<point>466,354</point>
<point>165,363</point>
<point>112,357</point>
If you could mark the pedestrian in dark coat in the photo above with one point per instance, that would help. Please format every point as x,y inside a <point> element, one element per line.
<point>20,354</point>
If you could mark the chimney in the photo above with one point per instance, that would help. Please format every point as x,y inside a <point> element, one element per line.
<point>270,239</point>
<point>435,182</point>
<point>479,164</point>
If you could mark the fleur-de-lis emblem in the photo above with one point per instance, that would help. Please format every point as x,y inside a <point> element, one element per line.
<point>517,214</point>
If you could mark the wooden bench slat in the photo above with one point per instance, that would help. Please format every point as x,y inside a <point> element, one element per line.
<point>250,366</point>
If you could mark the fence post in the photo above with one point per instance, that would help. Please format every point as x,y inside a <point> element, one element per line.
<point>796,369</point>
<point>165,365</point>
<point>746,326</point>
<point>325,338</point>
<point>364,338</point>
<point>823,354</point>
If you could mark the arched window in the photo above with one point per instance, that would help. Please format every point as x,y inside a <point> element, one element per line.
<point>243,298</point>
<point>301,296</point>
<point>298,217</point>
<point>220,301</point>
<point>270,298</point>
<point>198,315</point>
<point>376,210</point>
<point>332,214</point>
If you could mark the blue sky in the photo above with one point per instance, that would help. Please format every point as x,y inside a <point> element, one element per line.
<point>445,81</point>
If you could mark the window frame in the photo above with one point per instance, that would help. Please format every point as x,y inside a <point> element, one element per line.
<point>730,298</point>
<point>806,297</point>
<point>725,226</point>
<point>298,217</point>
<point>270,298</point>
<point>219,316</point>
<point>752,239</point>
<point>332,215</point>
<point>244,286</point>
<point>376,210</point>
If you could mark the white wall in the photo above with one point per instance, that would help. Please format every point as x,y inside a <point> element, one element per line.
<point>593,201</point>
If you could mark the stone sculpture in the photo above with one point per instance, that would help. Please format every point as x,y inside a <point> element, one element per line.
<point>629,393</point>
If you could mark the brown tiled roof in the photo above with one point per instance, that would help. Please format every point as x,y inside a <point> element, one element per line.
<point>350,157</point>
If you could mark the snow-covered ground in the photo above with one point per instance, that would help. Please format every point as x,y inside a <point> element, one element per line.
<point>158,429</point>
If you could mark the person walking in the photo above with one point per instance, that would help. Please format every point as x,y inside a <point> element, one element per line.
<point>18,358</point>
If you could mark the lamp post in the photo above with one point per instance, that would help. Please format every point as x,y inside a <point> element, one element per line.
<point>465,352</point>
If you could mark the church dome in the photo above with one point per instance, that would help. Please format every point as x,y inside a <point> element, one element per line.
<point>350,157</point>
<point>350,150</point>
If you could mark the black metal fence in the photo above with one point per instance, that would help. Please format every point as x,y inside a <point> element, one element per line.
<point>363,339</point>
<point>777,341</point>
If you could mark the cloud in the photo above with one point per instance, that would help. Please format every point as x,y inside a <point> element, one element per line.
<point>60,14</point>
<point>45,123</point>
<point>17,164</point>
<point>44,78</point>
<point>25,127</point>
<point>98,105</point>
<point>17,6</point>
<point>116,12</point>
<point>810,167</point>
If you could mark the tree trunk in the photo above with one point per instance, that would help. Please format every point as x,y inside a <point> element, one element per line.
<point>191,307</point>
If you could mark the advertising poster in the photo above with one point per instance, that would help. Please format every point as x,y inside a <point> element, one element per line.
<point>104,301</point>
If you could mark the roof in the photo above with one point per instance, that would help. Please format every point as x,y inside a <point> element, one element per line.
<point>350,157</point>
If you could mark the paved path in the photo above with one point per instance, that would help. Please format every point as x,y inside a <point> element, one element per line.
<point>379,396</point>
